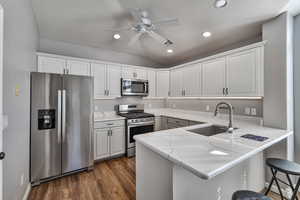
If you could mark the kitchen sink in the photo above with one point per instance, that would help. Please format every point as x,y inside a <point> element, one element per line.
<point>210,130</point>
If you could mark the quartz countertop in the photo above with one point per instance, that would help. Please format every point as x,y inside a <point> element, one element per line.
<point>106,116</point>
<point>205,156</point>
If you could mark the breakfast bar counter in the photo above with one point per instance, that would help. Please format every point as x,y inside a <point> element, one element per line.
<point>177,163</point>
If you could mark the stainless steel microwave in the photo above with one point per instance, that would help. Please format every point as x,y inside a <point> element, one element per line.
<point>134,87</point>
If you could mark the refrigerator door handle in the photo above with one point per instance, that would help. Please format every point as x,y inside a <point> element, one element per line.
<point>64,115</point>
<point>59,116</point>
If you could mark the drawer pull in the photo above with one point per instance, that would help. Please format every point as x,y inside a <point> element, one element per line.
<point>110,124</point>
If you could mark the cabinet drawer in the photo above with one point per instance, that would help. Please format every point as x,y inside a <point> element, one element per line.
<point>108,124</point>
<point>178,122</point>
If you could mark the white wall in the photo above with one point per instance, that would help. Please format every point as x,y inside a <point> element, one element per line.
<point>297,86</point>
<point>20,44</point>
<point>67,49</point>
<point>278,98</point>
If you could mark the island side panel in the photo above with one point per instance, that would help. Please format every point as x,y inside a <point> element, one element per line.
<point>246,175</point>
<point>153,175</point>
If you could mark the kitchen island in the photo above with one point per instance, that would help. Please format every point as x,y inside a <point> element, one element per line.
<point>179,164</point>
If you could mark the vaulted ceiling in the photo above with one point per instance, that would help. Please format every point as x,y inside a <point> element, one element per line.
<point>85,22</point>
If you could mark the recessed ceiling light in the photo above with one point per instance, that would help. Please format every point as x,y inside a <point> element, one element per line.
<point>117,36</point>
<point>170,51</point>
<point>206,34</point>
<point>220,3</point>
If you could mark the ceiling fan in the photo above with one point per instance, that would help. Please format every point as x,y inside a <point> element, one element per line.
<point>144,25</point>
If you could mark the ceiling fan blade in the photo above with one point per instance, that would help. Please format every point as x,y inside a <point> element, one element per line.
<point>134,39</point>
<point>166,22</point>
<point>119,29</point>
<point>159,38</point>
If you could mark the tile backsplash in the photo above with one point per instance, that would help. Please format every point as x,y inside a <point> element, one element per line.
<point>241,107</point>
<point>109,104</point>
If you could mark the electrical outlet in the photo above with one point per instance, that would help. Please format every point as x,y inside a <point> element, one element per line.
<point>207,108</point>
<point>253,111</point>
<point>247,111</point>
<point>22,180</point>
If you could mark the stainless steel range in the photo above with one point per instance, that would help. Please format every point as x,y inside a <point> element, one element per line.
<point>137,122</point>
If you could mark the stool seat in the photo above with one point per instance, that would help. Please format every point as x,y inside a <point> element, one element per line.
<point>248,195</point>
<point>284,166</point>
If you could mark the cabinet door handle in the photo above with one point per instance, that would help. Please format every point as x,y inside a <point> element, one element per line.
<point>107,92</point>
<point>227,91</point>
<point>223,91</point>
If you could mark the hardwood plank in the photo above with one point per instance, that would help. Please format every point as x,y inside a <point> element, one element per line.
<point>110,180</point>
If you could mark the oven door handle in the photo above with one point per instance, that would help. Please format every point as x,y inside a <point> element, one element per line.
<point>140,124</point>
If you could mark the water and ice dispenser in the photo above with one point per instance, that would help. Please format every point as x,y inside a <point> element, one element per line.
<point>46,119</point>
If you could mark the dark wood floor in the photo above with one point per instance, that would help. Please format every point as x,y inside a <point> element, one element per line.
<point>110,180</point>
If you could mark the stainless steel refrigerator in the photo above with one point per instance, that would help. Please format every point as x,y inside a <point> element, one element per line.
<point>61,125</point>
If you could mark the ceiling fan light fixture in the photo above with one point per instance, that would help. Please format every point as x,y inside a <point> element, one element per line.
<point>170,51</point>
<point>206,34</point>
<point>117,36</point>
<point>221,3</point>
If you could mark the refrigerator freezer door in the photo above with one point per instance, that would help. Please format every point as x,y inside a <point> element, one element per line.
<point>45,138</point>
<point>77,132</point>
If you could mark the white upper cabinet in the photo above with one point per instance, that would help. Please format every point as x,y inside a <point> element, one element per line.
<point>141,74</point>
<point>241,74</point>
<point>134,73</point>
<point>213,77</point>
<point>76,67</point>
<point>151,74</point>
<point>99,74</point>
<point>114,80</point>
<point>162,83</point>
<point>51,65</point>
<point>192,81</point>
<point>128,73</point>
<point>107,80</point>
<point>185,81</point>
<point>176,81</point>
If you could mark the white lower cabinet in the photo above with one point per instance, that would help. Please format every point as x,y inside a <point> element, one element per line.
<point>109,139</point>
<point>101,144</point>
<point>117,141</point>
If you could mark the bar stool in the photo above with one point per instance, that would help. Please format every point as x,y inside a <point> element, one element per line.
<point>288,168</point>
<point>248,195</point>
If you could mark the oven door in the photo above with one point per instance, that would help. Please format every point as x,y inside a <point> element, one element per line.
<point>133,87</point>
<point>137,130</point>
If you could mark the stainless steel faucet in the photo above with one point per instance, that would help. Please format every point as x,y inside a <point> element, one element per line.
<point>230,108</point>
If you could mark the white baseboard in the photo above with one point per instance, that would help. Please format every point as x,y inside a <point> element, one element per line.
<point>286,192</point>
<point>27,192</point>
